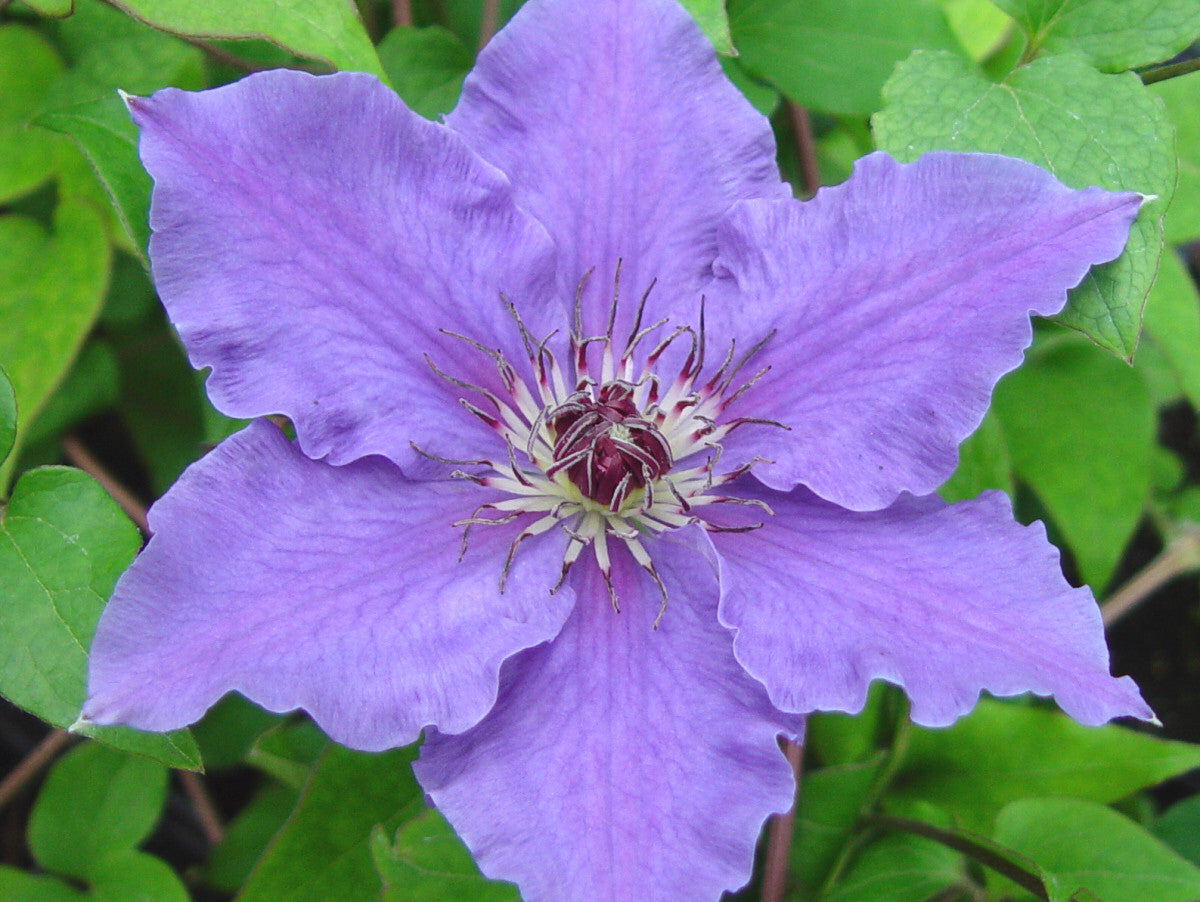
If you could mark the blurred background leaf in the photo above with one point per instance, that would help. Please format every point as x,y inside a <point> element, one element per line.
<point>834,55</point>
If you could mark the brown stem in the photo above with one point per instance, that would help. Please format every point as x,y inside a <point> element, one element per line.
<point>402,13</point>
<point>1180,556</point>
<point>206,810</point>
<point>78,455</point>
<point>779,836</point>
<point>33,764</point>
<point>806,148</point>
<point>1171,70</point>
<point>488,21</point>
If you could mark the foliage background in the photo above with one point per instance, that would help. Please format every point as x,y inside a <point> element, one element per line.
<point>1096,434</point>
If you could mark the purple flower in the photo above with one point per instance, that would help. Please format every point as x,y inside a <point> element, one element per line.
<point>578,350</point>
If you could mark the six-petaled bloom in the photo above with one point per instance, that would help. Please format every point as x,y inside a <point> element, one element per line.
<point>612,460</point>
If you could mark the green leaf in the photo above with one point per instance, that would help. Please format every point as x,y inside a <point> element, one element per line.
<point>1081,845</point>
<point>464,17</point>
<point>426,66</point>
<point>898,868</point>
<point>55,9</point>
<point>325,30</point>
<point>761,95</point>
<point>107,137</point>
<point>713,21</point>
<point>1173,322</point>
<point>1182,99</point>
<point>1179,828</point>
<point>829,808</point>
<point>111,51</point>
<point>230,729</point>
<point>323,852</point>
<point>933,824</point>
<point>1079,425</point>
<point>836,738</point>
<point>161,402</point>
<point>834,55</point>
<point>95,801</point>
<point>1114,34</point>
<point>28,66</point>
<point>1162,381</point>
<point>248,835</point>
<point>50,293</point>
<point>983,463</point>
<point>62,545</point>
<point>8,416</point>
<point>1058,112</point>
<point>132,876</point>
<point>17,886</point>
<point>979,26</point>
<point>89,388</point>
<point>289,751</point>
<point>63,542</point>
<point>1003,752</point>
<point>429,863</point>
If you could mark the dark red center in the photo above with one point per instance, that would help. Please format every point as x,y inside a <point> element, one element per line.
<point>605,446</point>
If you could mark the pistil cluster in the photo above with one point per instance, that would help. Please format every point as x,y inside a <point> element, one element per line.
<point>608,450</point>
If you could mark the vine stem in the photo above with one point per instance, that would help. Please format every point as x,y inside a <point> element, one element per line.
<point>779,835</point>
<point>81,457</point>
<point>207,815</point>
<point>489,20</point>
<point>33,764</point>
<point>1181,555</point>
<point>1171,70</point>
<point>806,148</point>
<point>402,13</point>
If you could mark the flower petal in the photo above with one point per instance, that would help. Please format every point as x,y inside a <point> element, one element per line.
<point>620,762</point>
<point>900,298</point>
<point>622,135</point>
<point>333,589</point>
<point>943,600</point>
<point>312,236</point>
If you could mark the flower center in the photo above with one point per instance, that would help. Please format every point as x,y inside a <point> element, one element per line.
<point>609,451</point>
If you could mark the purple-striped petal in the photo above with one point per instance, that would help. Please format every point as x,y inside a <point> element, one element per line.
<point>312,236</point>
<point>899,299</point>
<point>332,589</point>
<point>620,762</point>
<point>943,600</point>
<point>623,137</point>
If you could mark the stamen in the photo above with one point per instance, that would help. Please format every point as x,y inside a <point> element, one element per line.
<point>743,359</point>
<point>533,529</point>
<point>491,421</point>
<point>578,310</point>
<point>616,297</point>
<point>643,559</point>
<point>512,464</point>
<point>478,462</point>
<point>637,318</point>
<point>600,546</point>
<point>574,547</point>
<point>526,338</point>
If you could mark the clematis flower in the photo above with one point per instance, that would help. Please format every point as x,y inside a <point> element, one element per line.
<point>612,460</point>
